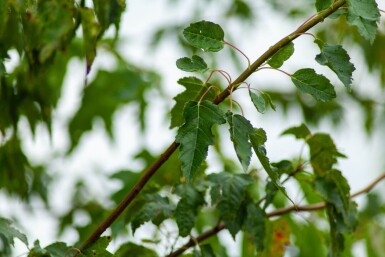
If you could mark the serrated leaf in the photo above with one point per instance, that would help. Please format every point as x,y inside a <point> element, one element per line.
<point>102,97</point>
<point>205,35</point>
<point>255,224</point>
<point>283,54</point>
<point>366,9</point>
<point>195,135</point>
<point>364,14</point>
<point>334,188</point>
<point>240,128</point>
<point>195,88</point>
<point>318,86</point>
<point>232,189</point>
<point>91,30</point>
<point>195,64</point>
<point>366,28</point>
<point>131,249</point>
<point>8,233</point>
<point>258,139</point>
<point>321,5</point>
<point>155,209</point>
<point>338,60</point>
<point>323,152</point>
<point>187,208</point>
<point>300,132</point>
<point>98,248</point>
<point>57,249</point>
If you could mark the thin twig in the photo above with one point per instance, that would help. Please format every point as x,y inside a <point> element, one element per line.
<point>303,208</point>
<point>220,98</point>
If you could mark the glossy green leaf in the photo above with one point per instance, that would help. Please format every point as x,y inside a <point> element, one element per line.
<point>255,224</point>
<point>187,208</point>
<point>258,139</point>
<point>195,135</point>
<point>323,152</point>
<point>231,194</point>
<point>205,35</point>
<point>155,209</point>
<point>8,233</point>
<point>195,88</point>
<point>321,5</point>
<point>300,132</point>
<point>91,30</point>
<point>240,128</point>
<point>283,54</point>
<point>318,86</point>
<point>98,248</point>
<point>195,64</point>
<point>338,60</point>
<point>131,249</point>
<point>102,97</point>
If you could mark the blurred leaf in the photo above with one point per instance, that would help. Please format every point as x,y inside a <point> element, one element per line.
<point>156,209</point>
<point>98,248</point>
<point>187,208</point>
<point>283,54</point>
<point>105,94</point>
<point>7,235</point>
<point>232,192</point>
<point>241,9</point>
<point>300,132</point>
<point>91,30</point>
<point>323,152</point>
<point>195,135</point>
<point>240,129</point>
<point>318,86</point>
<point>131,249</point>
<point>205,35</point>
<point>195,88</point>
<point>338,60</point>
<point>306,182</point>
<point>321,5</point>
<point>128,179</point>
<point>277,238</point>
<point>309,239</point>
<point>57,249</point>
<point>255,224</point>
<point>109,12</point>
<point>195,64</point>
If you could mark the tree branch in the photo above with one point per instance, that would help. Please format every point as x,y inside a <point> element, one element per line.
<point>220,98</point>
<point>311,207</point>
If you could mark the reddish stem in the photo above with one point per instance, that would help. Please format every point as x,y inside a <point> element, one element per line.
<point>239,50</point>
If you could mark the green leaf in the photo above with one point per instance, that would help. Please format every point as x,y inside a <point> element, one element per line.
<point>109,12</point>
<point>366,28</point>
<point>323,152</point>
<point>195,88</point>
<point>98,248</point>
<point>231,194</point>
<point>102,97</point>
<point>366,9</point>
<point>283,54</point>
<point>195,135</point>
<point>364,15</point>
<point>156,209</point>
<point>255,224</point>
<point>207,251</point>
<point>57,249</point>
<point>195,64</point>
<point>8,233</point>
<point>300,132</point>
<point>258,101</point>
<point>187,208</point>
<point>205,35</point>
<point>131,249</point>
<point>240,128</point>
<point>308,81</point>
<point>258,139</point>
<point>334,188</point>
<point>321,5</point>
<point>338,60</point>
<point>91,30</point>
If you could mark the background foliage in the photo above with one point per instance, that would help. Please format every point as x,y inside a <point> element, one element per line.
<point>52,52</point>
